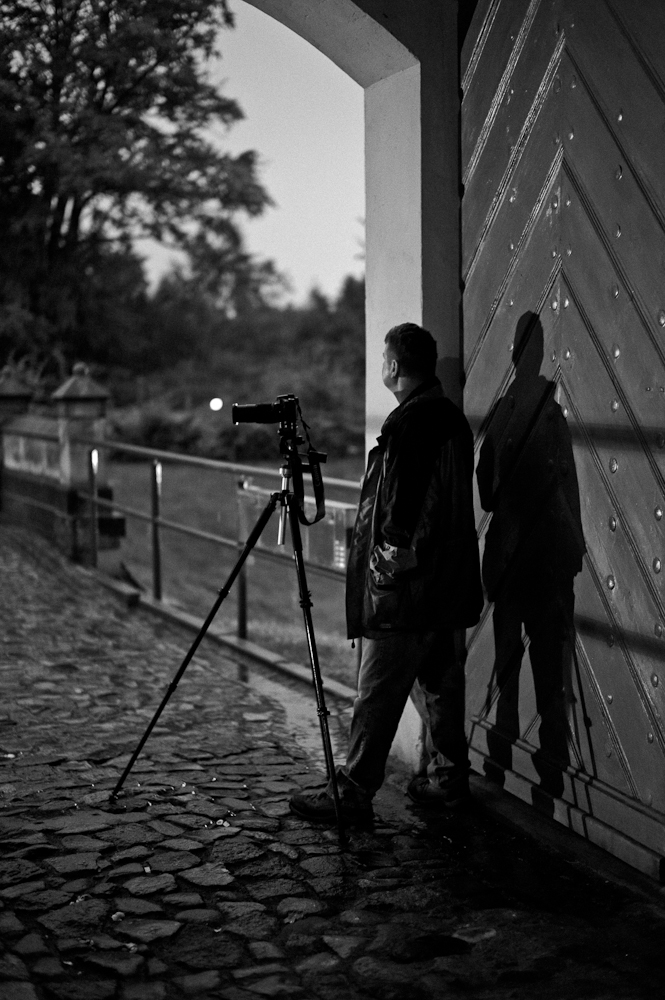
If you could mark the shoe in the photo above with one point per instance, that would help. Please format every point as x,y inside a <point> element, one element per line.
<point>450,795</point>
<point>317,804</point>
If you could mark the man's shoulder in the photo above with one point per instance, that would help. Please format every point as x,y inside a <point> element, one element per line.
<point>434,411</point>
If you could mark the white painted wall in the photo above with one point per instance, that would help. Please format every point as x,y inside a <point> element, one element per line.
<point>393,236</point>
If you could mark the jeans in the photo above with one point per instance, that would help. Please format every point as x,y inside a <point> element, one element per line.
<point>432,663</point>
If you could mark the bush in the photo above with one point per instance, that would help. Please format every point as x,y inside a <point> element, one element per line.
<point>157,428</point>
<point>246,443</point>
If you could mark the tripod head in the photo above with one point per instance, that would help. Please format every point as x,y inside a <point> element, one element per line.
<point>286,412</point>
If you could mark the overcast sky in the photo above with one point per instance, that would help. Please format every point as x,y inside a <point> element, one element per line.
<point>304,116</point>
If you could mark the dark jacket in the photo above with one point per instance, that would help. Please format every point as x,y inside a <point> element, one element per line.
<point>413,563</point>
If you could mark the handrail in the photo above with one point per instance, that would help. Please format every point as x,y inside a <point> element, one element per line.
<point>156,457</point>
<point>209,536</point>
<point>51,438</point>
<point>197,460</point>
<point>174,456</point>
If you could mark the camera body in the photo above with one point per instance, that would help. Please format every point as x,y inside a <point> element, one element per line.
<point>285,411</point>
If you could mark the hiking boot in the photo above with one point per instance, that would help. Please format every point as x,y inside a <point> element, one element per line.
<point>439,795</point>
<point>317,804</point>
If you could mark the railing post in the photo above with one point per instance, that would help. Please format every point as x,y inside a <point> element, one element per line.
<point>93,466</point>
<point>155,493</point>
<point>241,582</point>
<point>242,603</point>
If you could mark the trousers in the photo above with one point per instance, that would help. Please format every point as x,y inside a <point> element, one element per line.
<point>430,667</point>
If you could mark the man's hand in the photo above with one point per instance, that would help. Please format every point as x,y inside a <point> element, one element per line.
<point>388,562</point>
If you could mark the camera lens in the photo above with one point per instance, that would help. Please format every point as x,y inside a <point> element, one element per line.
<point>256,413</point>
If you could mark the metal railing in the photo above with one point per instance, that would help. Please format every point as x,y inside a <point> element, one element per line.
<point>342,511</point>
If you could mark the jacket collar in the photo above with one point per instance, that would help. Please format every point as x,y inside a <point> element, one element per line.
<point>430,383</point>
<point>431,386</point>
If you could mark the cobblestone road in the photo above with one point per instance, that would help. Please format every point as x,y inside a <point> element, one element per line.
<point>200,884</point>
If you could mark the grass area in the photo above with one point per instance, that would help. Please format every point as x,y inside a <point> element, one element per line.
<point>193,570</point>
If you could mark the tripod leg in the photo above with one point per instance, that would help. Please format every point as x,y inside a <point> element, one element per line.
<point>249,545</point>
<point>322,711</point>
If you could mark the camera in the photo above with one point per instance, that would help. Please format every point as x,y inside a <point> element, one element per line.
<point>283,411</point>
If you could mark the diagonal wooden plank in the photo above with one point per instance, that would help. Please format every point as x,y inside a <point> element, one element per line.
<point>644,27</point>
<point>627,718</point>
<point>617,449</point>
<point>588,729</point>
<point>480,29</point>
<point>480,666</point>
<point>621,209</point>
<point>599,744</point>
<point>615,317</point>
<point>491,171</point>
<point>531,186</point>
<point>635,705</point>
<point>500,41</point>
<point>491,376</point>
<point>623,89</point>
<point>529,285</point>
<point>631,605</point>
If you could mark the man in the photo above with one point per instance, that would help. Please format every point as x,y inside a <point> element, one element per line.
<point>413,586</point>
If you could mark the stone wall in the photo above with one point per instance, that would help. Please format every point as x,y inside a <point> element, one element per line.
<point>45,476</point>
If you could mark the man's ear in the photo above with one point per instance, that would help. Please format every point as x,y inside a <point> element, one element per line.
<point>394,368</point>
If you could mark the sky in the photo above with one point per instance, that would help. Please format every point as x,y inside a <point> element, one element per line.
<point>304,116</point>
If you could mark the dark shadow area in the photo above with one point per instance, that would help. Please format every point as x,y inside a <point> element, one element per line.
<point>533,551</point>
<point>465,11</point>
<point>630,640</point>
<point>600,435</point>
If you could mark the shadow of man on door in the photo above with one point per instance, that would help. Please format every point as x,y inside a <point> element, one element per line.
<point>533,551</point>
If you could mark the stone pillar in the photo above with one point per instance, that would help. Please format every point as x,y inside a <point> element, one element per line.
<point>81,405</point>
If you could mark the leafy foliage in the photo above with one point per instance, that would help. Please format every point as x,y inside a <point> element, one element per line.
<point>104,107</point>
<point>193,351</point>
<point>105,113</point>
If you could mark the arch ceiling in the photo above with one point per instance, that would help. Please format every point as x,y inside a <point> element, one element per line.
<point>352,39</point>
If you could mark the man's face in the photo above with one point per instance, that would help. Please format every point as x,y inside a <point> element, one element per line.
<point>390,368</point>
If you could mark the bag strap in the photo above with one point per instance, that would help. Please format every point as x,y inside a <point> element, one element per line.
<point>313,466</point>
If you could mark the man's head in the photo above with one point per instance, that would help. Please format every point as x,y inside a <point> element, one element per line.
<point>409,356</point>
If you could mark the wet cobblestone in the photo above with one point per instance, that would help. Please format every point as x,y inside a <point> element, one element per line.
<point>199,883</point>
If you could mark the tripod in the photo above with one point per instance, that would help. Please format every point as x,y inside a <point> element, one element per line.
<point>290,506</point>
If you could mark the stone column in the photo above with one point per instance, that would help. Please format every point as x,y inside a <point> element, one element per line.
<point>81,405</point>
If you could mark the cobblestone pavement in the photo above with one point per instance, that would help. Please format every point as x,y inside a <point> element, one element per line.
<point>199,883</point>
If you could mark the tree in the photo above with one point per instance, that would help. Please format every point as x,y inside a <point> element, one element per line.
<point>104,106</point>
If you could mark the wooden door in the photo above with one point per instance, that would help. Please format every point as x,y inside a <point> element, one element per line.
<point>563,132</point>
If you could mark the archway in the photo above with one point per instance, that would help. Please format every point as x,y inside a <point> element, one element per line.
<point>408,67</point>
<point>405,65</point>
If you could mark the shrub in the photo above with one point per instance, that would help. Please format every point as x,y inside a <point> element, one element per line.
<point>157,428</point>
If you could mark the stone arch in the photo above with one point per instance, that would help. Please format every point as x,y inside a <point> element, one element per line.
<point>408,68</point>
